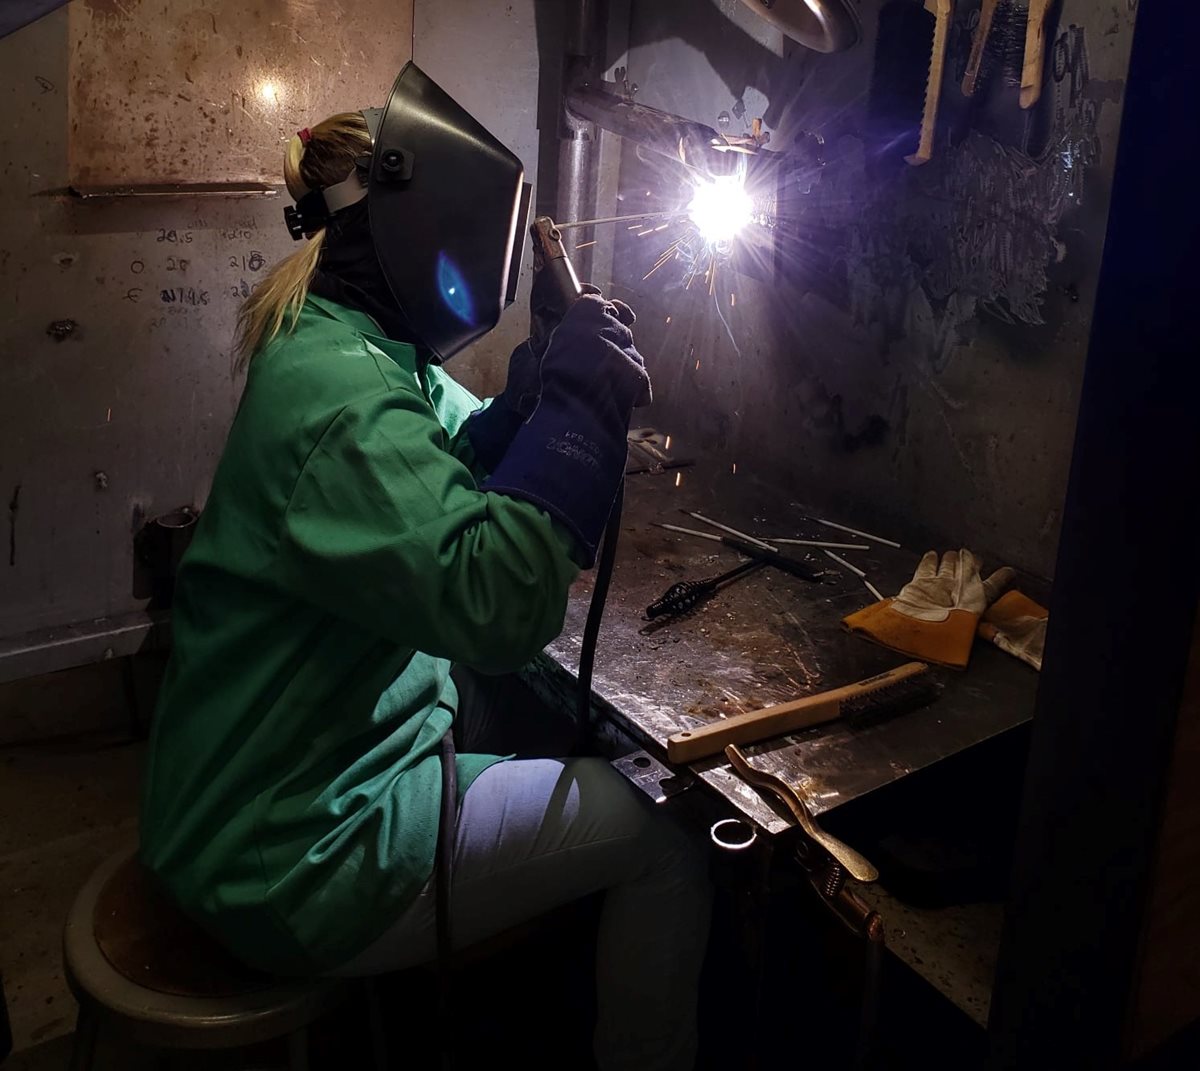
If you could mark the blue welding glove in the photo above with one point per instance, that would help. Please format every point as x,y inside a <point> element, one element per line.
<point>569,456</point>
<point>491,429</point>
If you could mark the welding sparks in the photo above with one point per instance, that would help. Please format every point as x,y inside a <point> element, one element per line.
<point>678,478</point>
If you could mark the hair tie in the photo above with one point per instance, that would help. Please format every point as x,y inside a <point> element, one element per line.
<point>304,135</point>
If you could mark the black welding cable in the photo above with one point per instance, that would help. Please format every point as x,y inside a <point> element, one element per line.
<point>591,629</point>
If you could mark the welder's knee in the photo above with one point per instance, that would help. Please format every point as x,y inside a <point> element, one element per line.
<point>611,807</point>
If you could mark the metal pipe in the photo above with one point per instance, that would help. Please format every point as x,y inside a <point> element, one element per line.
<point>577,184</point>
<point>581,33</point>
<point>692,143</point>
<point>578,145</point>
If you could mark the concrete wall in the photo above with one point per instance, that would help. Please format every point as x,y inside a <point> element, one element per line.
<point>124,418</point>
<point>917,367</point>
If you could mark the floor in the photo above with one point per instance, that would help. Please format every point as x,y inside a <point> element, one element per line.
<point>66,804</point>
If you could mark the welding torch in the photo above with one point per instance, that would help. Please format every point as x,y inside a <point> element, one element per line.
<point>557,287</point>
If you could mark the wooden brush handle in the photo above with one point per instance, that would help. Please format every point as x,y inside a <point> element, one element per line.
<point>987,12</point>
<point>1035,51</point>
<point>943,12</point>
<point>693,744</point>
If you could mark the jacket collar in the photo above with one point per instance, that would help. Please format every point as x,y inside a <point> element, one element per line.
<point>404,354</point>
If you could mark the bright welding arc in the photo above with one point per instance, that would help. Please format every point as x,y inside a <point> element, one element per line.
<point>720,208</point>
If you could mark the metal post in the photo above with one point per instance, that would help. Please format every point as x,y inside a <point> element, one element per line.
<point>578,148</point>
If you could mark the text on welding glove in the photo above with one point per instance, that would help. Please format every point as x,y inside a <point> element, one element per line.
<point>491,429</point>
<point>569,456</point>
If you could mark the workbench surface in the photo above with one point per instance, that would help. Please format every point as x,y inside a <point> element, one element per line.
<point>767,638</point>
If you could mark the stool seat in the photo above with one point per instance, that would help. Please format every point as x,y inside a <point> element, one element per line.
<point>137,965</point>
<point>148,940</point>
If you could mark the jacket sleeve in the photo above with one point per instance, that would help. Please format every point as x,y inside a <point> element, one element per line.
<point>388,529</point>
<point>460,446</point>
<point>450,396</point>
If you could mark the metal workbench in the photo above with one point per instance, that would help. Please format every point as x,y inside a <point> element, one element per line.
<point>768,638</point>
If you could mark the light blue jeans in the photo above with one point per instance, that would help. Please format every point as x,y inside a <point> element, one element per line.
<point>534,834</point>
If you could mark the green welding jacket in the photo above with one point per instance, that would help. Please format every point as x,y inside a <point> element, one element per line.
<point>346,557</point>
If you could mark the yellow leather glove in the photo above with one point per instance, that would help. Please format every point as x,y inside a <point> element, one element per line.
<point>935,616</point>
<point>1017,624</point>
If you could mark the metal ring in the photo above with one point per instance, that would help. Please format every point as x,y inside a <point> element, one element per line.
<point>729,834</point>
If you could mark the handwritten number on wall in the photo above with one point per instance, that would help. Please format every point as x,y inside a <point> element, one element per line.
<point>253,261</point>
<point>184,295</point>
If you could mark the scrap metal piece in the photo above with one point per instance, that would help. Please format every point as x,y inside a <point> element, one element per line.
<point>654,778</point>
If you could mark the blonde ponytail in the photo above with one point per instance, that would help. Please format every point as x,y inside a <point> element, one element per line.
<point>323,158</point>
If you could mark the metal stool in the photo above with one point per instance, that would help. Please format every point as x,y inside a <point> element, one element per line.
<point>144,972</point>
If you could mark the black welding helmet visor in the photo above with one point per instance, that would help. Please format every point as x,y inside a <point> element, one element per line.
<point>447,206</point>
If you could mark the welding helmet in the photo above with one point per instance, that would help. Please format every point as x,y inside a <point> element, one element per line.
<point>448,207</point>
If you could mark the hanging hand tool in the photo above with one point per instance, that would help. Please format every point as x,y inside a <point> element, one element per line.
<point>1029,21</point>
<point>987,12</point>
<point>1035,50</point>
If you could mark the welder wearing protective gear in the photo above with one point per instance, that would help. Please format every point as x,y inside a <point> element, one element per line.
<point>354,546</point>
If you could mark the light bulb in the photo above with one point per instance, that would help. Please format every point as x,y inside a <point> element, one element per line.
<point>268,92</point>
